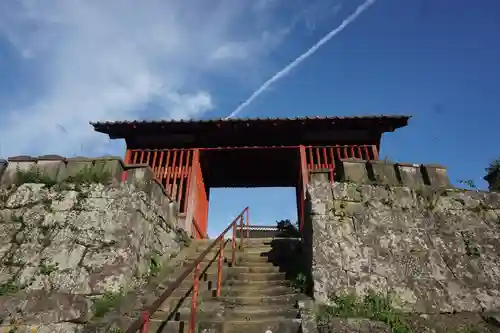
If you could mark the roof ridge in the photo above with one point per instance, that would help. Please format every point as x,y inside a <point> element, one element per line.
<point>216,120</point>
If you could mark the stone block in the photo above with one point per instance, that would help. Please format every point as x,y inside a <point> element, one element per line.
<point>360,325</point>
<point>437,175</point>
<point>173,209</point>
<point>142,177</point>
<point>383,172</point>
<point>170,213</point>
<point>74,166</point>
<point>51,157</point>
<point>3,166</point>
<point>159,191</point>
<point>40,307</point>
<point>22,158</point>
<point>50,167</point>
<point>318,176</point>
<point>355,171</point>
<point>16,164</point>
<point>320,191</point>
<point>112,165</point>
<point>182,224</point>
<point>410,175</point>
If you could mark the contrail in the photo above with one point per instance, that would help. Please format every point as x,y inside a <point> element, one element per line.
<point>302,57</point>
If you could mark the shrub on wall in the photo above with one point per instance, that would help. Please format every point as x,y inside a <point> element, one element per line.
<point>493,175</point>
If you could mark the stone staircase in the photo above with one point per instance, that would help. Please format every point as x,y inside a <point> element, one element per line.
<point>255,295</point>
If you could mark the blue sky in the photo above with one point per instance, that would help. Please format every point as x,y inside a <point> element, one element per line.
<point>65,63</point>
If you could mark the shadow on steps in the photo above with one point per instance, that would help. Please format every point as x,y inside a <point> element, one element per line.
<point>288,255</point>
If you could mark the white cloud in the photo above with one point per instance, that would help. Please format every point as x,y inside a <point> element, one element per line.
<point>121,59</point>
<point>231,50</point>
<point>256,48</point>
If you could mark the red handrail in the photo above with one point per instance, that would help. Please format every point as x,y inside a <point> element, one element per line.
<point>142,322</point>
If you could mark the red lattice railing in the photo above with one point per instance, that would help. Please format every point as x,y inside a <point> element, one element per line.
<point>179,171</point>
<point>325,157</point>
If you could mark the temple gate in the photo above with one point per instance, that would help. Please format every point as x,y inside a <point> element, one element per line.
<point>190,157</point>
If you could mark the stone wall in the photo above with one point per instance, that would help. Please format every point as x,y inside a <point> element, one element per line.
<point>403,232</point>
<point>71,230</point>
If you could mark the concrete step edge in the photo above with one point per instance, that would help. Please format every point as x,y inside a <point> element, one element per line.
<point>258,288</point>
<point>231,283</point>
<point>256,276</point>
<point>240,311</point>
<point>226,320</point>
<point>259,297</point>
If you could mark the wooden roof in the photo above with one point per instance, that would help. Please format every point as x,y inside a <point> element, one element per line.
<point>251,131</point>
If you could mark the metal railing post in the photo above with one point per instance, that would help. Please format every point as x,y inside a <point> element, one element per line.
<point>145,324</point>
<point>248,225</point>
<point>233,247</point>
<point>194,299</point>
<point>241,232</point>
<point>219,266</point>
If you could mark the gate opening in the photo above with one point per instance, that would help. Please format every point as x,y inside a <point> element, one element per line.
<point>269,205</point>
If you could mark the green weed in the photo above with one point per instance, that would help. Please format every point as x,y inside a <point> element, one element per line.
<point>9,287</point>
<point>107,302</point>
<point>154,266</point>
<point>372,306</point>
<point>33,175</point>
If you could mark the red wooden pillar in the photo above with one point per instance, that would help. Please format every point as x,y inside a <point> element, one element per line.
<point>375,152</point>
<point>126,160</point>
<point>197,197</point>
<point>302,185</point>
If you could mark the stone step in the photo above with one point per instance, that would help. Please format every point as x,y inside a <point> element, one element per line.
<point>228,245</point>
<point>176,303</point>
<point>237,313</point>
<point>204,277</point>
<point>254,251</point>
<point>251,241</point>
<point>228,253</point>
<point>276,325</point>
<point>204,303</point>
<point>241,261</point>
<point>256,276</point>
<point>179,292</point>
<point>260,284</point>
<point>240,257</point>
<point>208,258</point>
<point>188,284</point>
<point>255,289</point>
<point>252,256</point>
<point>231,288</point>
<point>235,288</point>
<point>284,299</point>
<point>251,259</point>
<point>257,269</point>
<point>211,255</point>
<point>263,268</point>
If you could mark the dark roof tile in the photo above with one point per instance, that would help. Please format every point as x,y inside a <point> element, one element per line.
<point>239,120</point>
